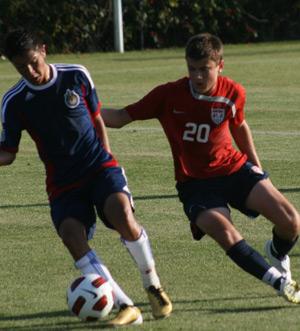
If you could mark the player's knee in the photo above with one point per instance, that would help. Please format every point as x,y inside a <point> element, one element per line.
<point>133,229</point>
<point>226,239</point>
<point>71,231</point>
<point>67,241</point>
<point>129,228</point>
<point>292,226</point>
<point>296,223</point>
<point>67,237</point>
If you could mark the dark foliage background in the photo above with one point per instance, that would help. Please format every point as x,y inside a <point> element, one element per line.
<point>87,25</point>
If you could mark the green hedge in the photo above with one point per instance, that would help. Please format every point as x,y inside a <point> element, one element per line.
<point>86,26</point>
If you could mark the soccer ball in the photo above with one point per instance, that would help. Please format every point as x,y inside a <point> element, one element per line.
<point>90,297</point>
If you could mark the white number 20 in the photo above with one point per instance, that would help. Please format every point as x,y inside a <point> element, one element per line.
<point>195,132</point>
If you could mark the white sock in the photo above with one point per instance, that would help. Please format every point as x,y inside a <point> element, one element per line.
<point>91,263</point>
<point>271,276</point>
<point>141,252</point>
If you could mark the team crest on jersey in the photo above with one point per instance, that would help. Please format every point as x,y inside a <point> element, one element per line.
<point>217,115</point>
<point>72,99</point>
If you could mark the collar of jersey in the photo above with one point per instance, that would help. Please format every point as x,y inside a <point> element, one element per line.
<point>199,96</point>
<point>44,86</point>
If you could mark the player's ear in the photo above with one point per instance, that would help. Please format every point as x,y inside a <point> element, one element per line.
<point>221,65</point>
<point>42,50</point>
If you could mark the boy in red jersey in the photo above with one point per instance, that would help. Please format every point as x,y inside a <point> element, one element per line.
<point>200,114</point>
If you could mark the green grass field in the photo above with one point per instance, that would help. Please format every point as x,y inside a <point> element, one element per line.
<point>208,291</point>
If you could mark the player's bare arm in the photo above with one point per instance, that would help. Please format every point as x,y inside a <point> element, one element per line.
<point>101,131</point>
<point>243,138</point>
<point>115,118</point>
<point>6,158</point>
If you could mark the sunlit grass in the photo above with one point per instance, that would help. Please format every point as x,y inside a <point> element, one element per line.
<point>208,291</point>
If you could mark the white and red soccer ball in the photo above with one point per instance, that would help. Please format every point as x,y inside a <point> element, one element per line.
<point>90,297</point>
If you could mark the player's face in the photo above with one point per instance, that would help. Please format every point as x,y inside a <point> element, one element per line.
<point>204,74</point>
<point>32,66</point>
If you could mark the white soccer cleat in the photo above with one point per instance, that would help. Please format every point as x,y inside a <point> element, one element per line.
<point>283,266</point>
<point>290,290</point>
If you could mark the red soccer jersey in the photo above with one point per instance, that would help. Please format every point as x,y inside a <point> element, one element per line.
<point>197,126</point>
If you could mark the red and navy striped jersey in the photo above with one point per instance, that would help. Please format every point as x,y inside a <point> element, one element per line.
<point>59,118</point>
<point>196,125</point>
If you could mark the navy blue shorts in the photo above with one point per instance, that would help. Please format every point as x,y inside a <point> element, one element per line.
<point>82,203</point>
<point>201,194</point>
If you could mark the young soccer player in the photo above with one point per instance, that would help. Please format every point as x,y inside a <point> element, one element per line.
<point>58,105</point>
<point>199,114</point>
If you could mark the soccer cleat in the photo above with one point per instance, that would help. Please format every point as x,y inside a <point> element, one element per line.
<point>281,265</point>
<point>290,290</point>
<point>159,301</point>
<point>127,315</point>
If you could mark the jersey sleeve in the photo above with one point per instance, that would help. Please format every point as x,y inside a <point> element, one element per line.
<point>11,129</point>
<point>239,104</point>
<point>89,92</point>
<point>150,106</point>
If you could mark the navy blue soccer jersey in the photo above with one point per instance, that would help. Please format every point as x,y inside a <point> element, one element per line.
<point>59,118</point>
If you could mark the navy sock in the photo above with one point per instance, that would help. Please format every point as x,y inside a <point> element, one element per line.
<point>277,283</point>
<point>248,259</point>
<point>281,247</point>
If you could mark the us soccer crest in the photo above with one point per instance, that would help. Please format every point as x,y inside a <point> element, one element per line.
<point>72,99</point>
<point>217,115</point>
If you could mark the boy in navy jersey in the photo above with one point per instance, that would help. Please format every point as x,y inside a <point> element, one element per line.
<point>199,114</point>
<point>57,105</point>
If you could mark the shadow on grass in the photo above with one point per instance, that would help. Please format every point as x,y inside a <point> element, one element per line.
<point>30,205</point>
<point>175,196</point>
<point>60,326</point>
<point>145,197</point>
<point>288,190</point>
<point>75,324</point>
<point>234,310</point>
<point>248,309</point>
<point>148,197</point>
<point>156,197</point>
<point>78,325</point>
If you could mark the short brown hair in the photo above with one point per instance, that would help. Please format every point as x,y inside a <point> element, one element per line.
<point>204,45</point>
<point>20,41</point>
